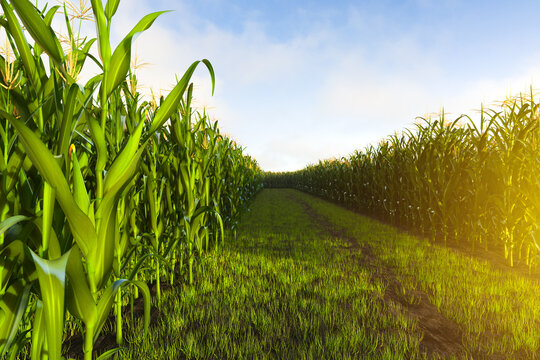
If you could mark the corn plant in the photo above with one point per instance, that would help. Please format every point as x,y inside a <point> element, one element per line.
<point>470,180</point>
<point>83,169</point>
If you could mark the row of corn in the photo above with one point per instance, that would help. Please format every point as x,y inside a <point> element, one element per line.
<point>469,181</point>
<point>101,192</point>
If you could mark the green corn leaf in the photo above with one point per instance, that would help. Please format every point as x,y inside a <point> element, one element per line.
<point>39,30</point>
<point>123,160</point>
<point>12,308</point>
<point>119,66</point>
<point>9,222</point>
<point>68,26</point>
<point>18,345</point>
<point>5,140</point>
<point>106,303</point>
<point>99,140</point>
<point>211,210</point>
<point>83,53</point>
<point>16,32</point>
<point>49,195</point>
<point>152,200</point>
<point>120,247</point>
<point>144,23</point>
<point>79,298</point>
<point>49,16</point>
<point>39,333</point>
<point>107,354</point>
<point>101,256</point>
<point>50,90</point>
<point>120,60</point>
<point>79,189</point>
<point>54,250</point>
<point>172,101</point>
<point>110,9</point>
<point>81,227</point>
<point>48,20</point>
<point>99,65</point>
<point>104,46</point>
<point>10,256</point>
<point>66,125</point>
<point>143,288</point>
<point>14,165</point>
<point>212,75</point>
<point>52,280</point>
<point>140,262</point>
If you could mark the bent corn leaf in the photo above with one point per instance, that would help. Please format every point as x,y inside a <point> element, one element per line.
<point>80,225</point>
<point>172,101</point>
<point>120,60</point>
<point>38,29</point>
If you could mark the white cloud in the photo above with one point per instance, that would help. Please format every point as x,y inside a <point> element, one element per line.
<point>359,94</point>
<point>319,94</point>
<point>257,91</point>
<point>297,101</point>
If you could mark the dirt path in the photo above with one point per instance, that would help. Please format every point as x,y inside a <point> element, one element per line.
<point>441,335</point>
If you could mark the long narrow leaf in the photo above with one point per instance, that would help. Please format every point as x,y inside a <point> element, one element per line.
<point>52,280</point>
<point>80,225</point>
<point>38,29</point>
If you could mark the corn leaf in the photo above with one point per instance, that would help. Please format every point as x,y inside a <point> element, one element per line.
<point>101,256</point>
<point>107,354</point>
<point>13,306</point>
<point>12,220</point>
<point>79,189</point>
<point>66,125</point>
<point>110,8</point>
<point>39,333</point>
<point>38,29</point>
<point>14,165</point>
<point>106,302</point>
<point>121,58</point>
<point>80,225</point>
<point>104,46</point>
<point>123,161</point>
<point>52,279</point>
<point>15,30</point>
<point>172,101</point>
<point>79,298</point>
<point>99,141</point>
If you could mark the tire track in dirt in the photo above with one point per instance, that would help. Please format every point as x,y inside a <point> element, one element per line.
<point>442,336</point>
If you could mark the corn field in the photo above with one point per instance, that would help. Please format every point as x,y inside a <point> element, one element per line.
<point>101,191</point>
<point>464,181</point>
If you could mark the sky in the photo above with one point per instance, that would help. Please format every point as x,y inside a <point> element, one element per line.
<point>302,81</point>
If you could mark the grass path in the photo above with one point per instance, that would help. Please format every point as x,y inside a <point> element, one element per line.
<point>306,279</point>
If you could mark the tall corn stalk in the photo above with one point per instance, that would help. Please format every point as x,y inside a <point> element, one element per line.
<point>465,180</point>
<point>72,223</point>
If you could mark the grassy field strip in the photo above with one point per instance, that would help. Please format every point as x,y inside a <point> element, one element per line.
<point>284,289</point>
<point>498,311</point>
<point>440,335</point>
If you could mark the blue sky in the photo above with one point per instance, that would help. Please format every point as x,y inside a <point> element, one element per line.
<point>299,81</point>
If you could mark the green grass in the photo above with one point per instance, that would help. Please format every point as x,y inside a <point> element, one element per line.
<point>284,290</point>
<point>288,289</point>
<point>498,311</point>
